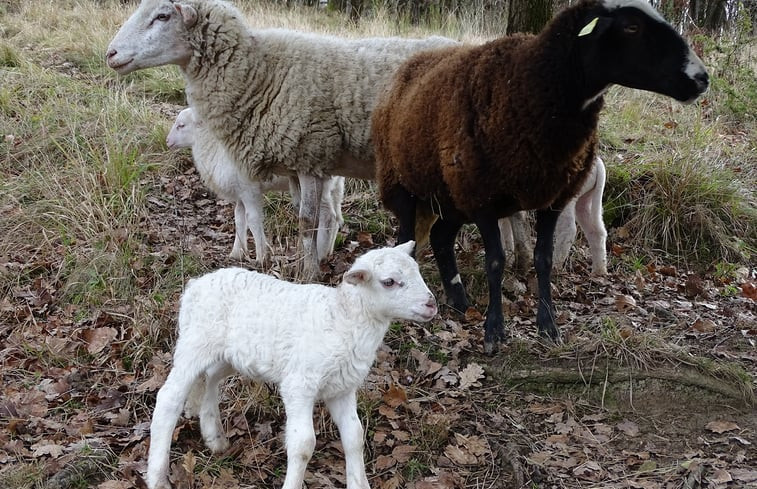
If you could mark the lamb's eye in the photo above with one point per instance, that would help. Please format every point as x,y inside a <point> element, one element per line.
<point>388,283</point>
<point>631,29</point>
<point>162,17</point>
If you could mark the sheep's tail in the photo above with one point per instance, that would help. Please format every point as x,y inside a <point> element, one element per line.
<point>424,219</point>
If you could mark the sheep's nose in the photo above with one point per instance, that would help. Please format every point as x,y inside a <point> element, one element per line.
<point>111,52</point>
<point>702,80</point>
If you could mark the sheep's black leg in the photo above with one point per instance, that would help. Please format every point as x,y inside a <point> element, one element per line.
<point>402,204</point>
<point>443,234</point>
<point>546,221</point>
<point>495,265</point>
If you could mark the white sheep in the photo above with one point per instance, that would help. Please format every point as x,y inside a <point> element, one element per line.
<point>225,179</point>
<point>314,342</point>
<point>281,101</point>
<point>585,208</point>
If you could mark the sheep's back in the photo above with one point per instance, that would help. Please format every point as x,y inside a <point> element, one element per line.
<point>468,128</point>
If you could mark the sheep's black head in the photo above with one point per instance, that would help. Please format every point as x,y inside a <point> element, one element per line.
<point>627,42</point>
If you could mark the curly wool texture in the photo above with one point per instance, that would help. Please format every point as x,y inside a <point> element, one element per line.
<point>502,121</point>
<point>313,341</point>
<point>286,101</point>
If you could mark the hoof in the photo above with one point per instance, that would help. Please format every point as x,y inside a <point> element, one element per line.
<point>491,347</point>
<point>218,445</point>
<point>550,336</point>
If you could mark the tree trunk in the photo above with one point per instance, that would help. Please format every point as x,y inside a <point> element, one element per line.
<point>530,15</point>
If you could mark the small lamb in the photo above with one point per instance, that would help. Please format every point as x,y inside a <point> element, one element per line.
<point>228,182</point>
<point>585,208</point>
<point>314,342</point>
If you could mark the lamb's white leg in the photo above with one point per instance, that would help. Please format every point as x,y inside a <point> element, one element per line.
<point>311,190</point>
<point>589,216</point>
<point>300,436</point>
<point>252,202</point>
<point>327,221</point>
<point>170,400</point>
<point>524,250</point>
<point>506,236</point>
<point>194,399</point>
<point>337,195</point>
<point>210,417</point>
<point>565,234</point>
<point>240,233</point>
<point>344,413</point>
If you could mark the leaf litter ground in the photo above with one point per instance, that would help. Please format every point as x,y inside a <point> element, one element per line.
<point>651,388</point>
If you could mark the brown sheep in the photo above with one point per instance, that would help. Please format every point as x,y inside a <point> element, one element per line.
<point>476,133</point>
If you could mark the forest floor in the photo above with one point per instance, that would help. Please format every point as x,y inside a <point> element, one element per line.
<point>653,386</point>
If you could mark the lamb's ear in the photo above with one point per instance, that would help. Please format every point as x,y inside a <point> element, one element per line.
<point>357,276</point>
<point>407,247</point>
<point>188,13</point>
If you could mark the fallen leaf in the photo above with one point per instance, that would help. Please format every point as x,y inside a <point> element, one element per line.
<point>472,315</point>
<point>395,396</point>
<point>749,290</point>
<point>402,453</point>
<point>704,325</point>
<point>98,338</point>
<point>41,449</point>
<point>744,475</point>
<point>384,462</point>
<point>470,375</point>
<point>720,476</point>
<point>721,426</point>
<point>365,239</point>
<point>628,427</point>
<point>460,456</point>
<point>624,303</point>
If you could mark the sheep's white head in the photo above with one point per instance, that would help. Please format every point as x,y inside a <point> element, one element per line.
<point>154,35</point>
<point>391,283</point>
<point>182,133</point>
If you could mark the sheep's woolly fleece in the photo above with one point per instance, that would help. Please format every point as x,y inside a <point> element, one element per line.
<point>284,100</point>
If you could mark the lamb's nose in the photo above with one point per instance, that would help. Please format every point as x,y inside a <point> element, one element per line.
<point>110,53</point>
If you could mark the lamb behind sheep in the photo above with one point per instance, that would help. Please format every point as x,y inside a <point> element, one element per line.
<point>314,342</point>
<point>226,180</point>
<point>280,101</point>
<point>516,130</point>
<point>585,208</point>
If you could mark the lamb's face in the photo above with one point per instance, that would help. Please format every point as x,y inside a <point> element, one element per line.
<point>182,133</point>
<point>155,35</point>
<point>392,284</point>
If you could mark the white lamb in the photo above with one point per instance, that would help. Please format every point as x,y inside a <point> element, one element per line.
<point>281,101</point>
<point>314,342</point>
<point>586,208</point>
<point>229,183</point>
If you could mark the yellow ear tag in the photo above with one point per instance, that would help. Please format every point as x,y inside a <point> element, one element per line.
<point>588,27</point>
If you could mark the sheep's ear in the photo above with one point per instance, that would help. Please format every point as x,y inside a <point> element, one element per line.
<point>407,247</point>
<point>356,277</point>
<point>188,13</point>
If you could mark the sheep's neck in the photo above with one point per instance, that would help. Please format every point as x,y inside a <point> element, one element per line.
<point>223,86</point>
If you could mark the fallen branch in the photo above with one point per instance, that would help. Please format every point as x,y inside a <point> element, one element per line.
<point>684,376</point>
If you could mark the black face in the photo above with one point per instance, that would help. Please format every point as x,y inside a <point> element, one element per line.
<point>638,51</point>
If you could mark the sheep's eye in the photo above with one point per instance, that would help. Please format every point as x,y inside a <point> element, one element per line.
<point>631,29</point>
<point>162,17</point>
<point>180,126</point>
<point>388,283</point>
